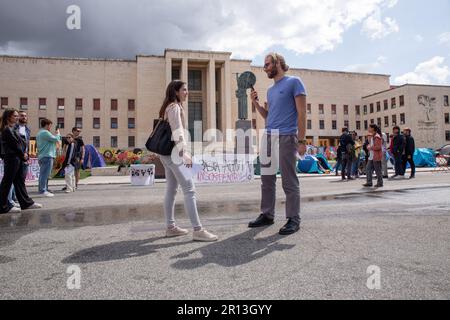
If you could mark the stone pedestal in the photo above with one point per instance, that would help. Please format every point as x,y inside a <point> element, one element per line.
<point>243,140</point>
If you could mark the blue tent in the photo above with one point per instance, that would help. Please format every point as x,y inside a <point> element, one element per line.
<point>93,158</point>
<point>311,164</point>
<point>424,158</point>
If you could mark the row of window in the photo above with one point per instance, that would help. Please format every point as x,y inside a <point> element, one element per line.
<point>114,141</point>
<point>96,123</point>
<point>60,103</point>
<point>334,126</point>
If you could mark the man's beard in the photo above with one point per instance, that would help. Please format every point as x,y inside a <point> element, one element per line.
<point>23,122</point>
<point>273,73</point>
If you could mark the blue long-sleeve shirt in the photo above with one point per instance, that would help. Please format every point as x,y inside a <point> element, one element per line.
<point>46,144</point>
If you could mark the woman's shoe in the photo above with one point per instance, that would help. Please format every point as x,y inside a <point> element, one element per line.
<point>176,232</point>
<point>35,206</point>
<point>15,210</point>
<point>204,236</point>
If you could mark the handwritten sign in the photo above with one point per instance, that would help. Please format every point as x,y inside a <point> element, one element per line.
<point>33,170</point>
<point>142,174</point>
<point>226,168</point>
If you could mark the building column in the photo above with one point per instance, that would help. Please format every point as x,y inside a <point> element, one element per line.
<point>211,96</point>
<point>226,99</point>
<point>168,71</point>
<point>184,78</point>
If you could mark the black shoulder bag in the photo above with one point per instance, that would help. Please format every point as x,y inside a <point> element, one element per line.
<point>160,141</point>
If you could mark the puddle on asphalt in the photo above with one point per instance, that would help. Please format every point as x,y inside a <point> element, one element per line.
<point>107,215</point>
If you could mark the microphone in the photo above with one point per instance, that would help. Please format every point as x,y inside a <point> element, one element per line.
<point>253,89</point>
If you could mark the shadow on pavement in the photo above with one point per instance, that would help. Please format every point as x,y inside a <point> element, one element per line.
<point>120,250</point>
<point>235,251</point>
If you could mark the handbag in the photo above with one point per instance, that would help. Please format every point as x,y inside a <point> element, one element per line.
<point>160,140</point>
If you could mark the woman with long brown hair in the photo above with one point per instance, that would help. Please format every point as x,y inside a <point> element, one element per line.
<point>172,110</point>
<point>14,158</point>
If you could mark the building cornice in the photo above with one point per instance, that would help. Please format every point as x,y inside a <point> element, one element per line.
<point>67,58</point>
<point>407,85</point>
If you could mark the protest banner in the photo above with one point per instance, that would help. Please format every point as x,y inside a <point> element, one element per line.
<point>33,170</point>
<point>224,168</point>
<point>142,174</point>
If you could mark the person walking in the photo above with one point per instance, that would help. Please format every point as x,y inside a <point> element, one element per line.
<point>357,157</point>
<point>398,150</point>
<point>14,157</point>
<point>338,160</point>
<point>173,111</point>
<point>46,145</point>
<point>25,133</point>
<point>375,148</point>
<point>79,153</point>
<point>285,115</point>
<point>347,150</point>
<point>410,148</point>
<point>69,164</point>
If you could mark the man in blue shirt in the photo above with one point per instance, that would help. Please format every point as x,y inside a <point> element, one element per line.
<point>285,114</point>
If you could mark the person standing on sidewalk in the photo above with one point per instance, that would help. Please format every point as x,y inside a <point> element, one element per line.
<point>375,148</point>
<point>410,148</point>
<point>285,114</point>
<point>46,145</point>
<point>384,164</point>
<point>173,111</point>
<point>398,150</point>
<point>14,156</point>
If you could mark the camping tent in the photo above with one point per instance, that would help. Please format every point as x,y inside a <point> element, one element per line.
<point>424,158</point>
<point>93,158</point>
<point>313,164</point>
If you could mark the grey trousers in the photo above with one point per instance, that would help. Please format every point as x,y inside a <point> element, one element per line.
<point>384,165</point>
<point>175,178</point>
<point>279,152</point>
<point>371,166</point>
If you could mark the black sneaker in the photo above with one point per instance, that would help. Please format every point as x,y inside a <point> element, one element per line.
<point>412,177</point>
<point>261,221</point>
<point>64,189</point>
<point>290,227</point>
<point>367,185</point>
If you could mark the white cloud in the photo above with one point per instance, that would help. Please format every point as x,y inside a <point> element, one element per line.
<point>433,71</point>
<point>444,38</point>
<point>376,28</point>
<point>419,38</point>
<point>367,67</point>
<point>305,26</point>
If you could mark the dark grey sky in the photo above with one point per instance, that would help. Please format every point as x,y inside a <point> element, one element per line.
<point>109,28</point>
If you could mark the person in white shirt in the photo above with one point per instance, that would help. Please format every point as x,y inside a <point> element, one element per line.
<point>172,110</point>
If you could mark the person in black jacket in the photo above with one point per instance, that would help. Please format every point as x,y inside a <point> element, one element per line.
<point>398,150</point>
<point>410,148</point>
<point>13,152</point>
<point>346,144</point>
<point>70,161</point>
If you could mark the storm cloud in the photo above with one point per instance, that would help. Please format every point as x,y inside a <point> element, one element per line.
<point>122,29</point>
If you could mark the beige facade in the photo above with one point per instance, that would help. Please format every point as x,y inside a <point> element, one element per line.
<point>137,87</point>
<point>422,108</point>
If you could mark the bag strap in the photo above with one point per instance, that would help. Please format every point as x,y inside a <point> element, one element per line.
<point>160,120</point>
